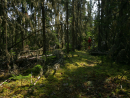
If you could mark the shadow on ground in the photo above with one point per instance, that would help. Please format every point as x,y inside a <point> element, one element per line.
<point>81,80</point>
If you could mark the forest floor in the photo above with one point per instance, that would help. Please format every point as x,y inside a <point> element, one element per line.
<point>81,76</point>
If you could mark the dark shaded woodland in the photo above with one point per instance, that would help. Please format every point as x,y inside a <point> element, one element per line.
<point>47,32</point>
<point>66,25</point>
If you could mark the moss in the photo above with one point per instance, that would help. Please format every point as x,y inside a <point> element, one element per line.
<point>74,79</point>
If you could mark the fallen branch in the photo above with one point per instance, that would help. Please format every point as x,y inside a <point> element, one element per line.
<point>36,80</point>
<point>3,83</point>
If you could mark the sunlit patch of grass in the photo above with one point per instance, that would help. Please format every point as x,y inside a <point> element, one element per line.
<point>75,55</point>
<point>16,88</point>
<point>83,57</point>
<point>70,66</point>
<point>72,79</point>
<point>42,80</point>
<point>58,76</point>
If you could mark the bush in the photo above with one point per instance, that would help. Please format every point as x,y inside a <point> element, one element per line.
<point>36,69</point>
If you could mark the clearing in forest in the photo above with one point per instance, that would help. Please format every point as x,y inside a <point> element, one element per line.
<point>81,76</point>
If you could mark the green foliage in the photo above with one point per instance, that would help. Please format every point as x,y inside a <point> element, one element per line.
<point>12,53</point>
<point>20,77</point>
<point>36,69</point>
<point>34,48</point>
<point>44,58</point>
<point>84,44</point>
<point>86,77</point>
<point>88,34</point>
<point>5,83</point>
<point>51,57</point>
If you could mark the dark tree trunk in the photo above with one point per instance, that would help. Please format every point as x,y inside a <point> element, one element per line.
<point>43,26</point>
<point>73,29</point>
<point>67,36</point>
<point>99,27</point>
<point>6,48</point>
<point>23,31</point>
<point>80,39</point>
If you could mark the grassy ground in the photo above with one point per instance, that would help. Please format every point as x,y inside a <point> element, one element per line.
<point>81,76</point>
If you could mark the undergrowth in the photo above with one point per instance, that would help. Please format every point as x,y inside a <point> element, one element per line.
<point>81,76</point>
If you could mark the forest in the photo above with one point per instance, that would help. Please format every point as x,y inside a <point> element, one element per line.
<point>44,49</point>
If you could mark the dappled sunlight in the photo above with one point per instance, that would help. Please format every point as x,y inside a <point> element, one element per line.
<point>83,59</point>
<point>64,49</point>
<point>81,76</point>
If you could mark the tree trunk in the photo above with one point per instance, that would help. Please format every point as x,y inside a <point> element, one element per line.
<point>5,28</point>
<point>80,39</point>
<point>73,29</point>
<point>43,26</point>
<point>99,28</point>
<point>67,36</point>
<point>77,25</point>
<point>23,31</point>
<point>6,47</point>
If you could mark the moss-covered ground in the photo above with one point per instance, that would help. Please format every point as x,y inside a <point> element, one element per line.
<point>81,76</point>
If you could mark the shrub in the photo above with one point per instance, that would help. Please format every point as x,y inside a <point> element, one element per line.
<point>36,69</point>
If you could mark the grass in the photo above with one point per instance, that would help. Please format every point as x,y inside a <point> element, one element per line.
<point>82,76</point>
